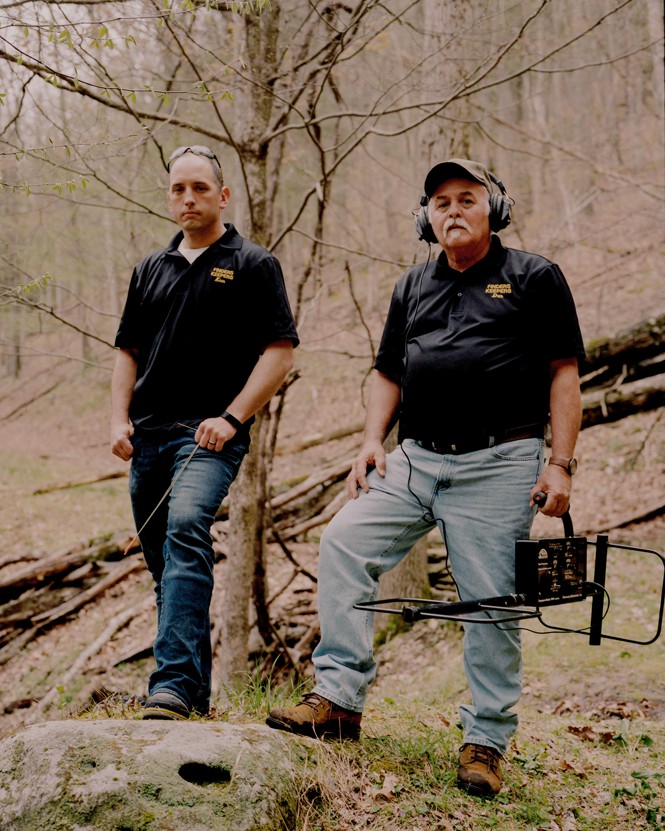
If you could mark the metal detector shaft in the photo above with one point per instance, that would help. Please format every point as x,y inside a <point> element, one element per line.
<point>462,607</point>
<point>442,609</point>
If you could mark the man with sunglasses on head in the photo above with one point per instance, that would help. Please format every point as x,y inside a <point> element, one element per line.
<point>206,338</point>
<point>479,351</point>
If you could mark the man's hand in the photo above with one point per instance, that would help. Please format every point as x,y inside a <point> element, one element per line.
<point>121,445</point>
<point>371,454</point>
<point>557,484</point>
<point>213,433</point>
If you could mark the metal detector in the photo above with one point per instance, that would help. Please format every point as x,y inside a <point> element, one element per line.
<point>548,572</point>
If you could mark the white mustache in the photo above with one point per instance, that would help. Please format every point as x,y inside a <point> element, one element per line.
<point>456,221</point>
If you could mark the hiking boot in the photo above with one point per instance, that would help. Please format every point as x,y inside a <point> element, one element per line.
<point>479,771</point>
<point>165,705</point>
<point>317,717</point>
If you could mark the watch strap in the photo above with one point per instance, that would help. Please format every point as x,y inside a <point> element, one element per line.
<point>235,422</point>
<point>568,464</point>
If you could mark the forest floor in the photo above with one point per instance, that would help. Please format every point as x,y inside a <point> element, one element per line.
<point>593,716</point>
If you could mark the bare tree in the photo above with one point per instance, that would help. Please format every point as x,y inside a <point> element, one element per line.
<point>329,115</point>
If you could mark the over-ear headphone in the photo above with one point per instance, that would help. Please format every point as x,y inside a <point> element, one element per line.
<point>499,212</point>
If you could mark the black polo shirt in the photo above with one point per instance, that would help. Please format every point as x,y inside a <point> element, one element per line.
<point>478,343</point>
<point>199,329</point>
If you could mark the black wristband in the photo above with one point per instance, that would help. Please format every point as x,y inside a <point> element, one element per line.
<point>227,416</point>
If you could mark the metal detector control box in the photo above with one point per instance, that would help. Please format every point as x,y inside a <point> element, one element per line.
<point>551,571</point>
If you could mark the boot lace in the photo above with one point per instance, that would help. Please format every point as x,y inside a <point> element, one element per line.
<point>485,755</point>
<point>313,700</point>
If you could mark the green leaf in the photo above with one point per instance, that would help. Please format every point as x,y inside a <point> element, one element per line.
<point>28,288</point>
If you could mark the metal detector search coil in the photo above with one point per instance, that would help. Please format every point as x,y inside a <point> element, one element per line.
<point>548,572</point>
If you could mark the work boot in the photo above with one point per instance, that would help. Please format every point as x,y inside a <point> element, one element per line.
<point>317,717</point>
<point>165,705</point>
<point>479,771</point>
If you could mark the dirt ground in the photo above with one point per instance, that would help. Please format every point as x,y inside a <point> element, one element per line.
<point>62,437</point>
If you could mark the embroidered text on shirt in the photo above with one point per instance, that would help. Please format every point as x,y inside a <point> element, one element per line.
<point>221,275</point>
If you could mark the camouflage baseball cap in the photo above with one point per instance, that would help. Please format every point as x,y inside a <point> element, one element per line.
<point>457,169</point>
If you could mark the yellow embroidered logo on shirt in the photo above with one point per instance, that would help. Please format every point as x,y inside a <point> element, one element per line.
<point>498,289</point>
<point>221,275</point>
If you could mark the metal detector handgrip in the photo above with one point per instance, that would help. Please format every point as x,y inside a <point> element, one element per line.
<point>540,498</point>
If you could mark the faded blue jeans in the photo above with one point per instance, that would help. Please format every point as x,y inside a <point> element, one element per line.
<point>177,547</point>
<point>480,501</point>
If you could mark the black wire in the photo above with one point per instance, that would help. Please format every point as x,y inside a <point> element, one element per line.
<point>407,331</point>
<point>562,630</point>
<point>438,521</point>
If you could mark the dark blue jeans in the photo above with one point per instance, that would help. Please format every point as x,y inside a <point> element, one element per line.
<point>177,547</point>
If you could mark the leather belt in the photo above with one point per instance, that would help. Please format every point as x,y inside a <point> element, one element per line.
<point>467,443</point>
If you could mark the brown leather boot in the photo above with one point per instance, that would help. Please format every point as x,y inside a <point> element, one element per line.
<point>479,771</point>
<point>317,717</point>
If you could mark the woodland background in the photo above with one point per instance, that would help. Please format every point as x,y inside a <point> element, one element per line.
<point>326,117</point>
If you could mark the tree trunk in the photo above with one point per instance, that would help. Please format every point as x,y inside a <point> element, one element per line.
<point>246,562</point>
<point>237,573</point>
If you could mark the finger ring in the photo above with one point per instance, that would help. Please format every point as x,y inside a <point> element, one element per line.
<point>212,442</point>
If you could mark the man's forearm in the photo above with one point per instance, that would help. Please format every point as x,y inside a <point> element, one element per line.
<point>122,390</point>
<point>382,407</point>
<point>565,407</point>
<point>265,379</point>
<point>122,384</point>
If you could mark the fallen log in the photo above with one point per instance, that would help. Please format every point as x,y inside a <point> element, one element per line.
<point>118,474</point>
<point>16,645</point>
<point>641,341</point>
<point>119,573</point>
<point>320,438</point>
<point>49,568</point>
<point>325,477</point>
<point>116,623</point>
<point>614,404</point>
<point>288,533</point>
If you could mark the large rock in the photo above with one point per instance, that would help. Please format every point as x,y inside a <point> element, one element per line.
<point>110,775</point>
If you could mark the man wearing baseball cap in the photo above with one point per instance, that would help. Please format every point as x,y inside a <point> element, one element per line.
<point>479,355</point>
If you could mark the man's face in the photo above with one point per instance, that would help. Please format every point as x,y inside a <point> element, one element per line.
<point>195,198</point>
<point>459,214</point>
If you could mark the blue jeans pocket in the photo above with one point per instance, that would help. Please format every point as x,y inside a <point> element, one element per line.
<point>522,450</point>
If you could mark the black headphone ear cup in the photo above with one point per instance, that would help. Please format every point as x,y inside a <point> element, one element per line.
<point>499,211</point>
<point>423,228</point>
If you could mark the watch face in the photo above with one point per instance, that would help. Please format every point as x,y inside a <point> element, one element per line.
<point>572,467</point>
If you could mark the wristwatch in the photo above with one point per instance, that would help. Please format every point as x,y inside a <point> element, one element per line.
<point>235,422</point>
<point>569,465</point>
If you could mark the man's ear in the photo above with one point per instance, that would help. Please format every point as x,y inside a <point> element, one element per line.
<point>224,197</point>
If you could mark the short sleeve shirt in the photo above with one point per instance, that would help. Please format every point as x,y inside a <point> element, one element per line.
<point>471,350</point>
<point>199,329</point>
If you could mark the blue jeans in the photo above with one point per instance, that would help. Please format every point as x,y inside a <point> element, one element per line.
<point>177,547</point>
<point>481,502</point>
